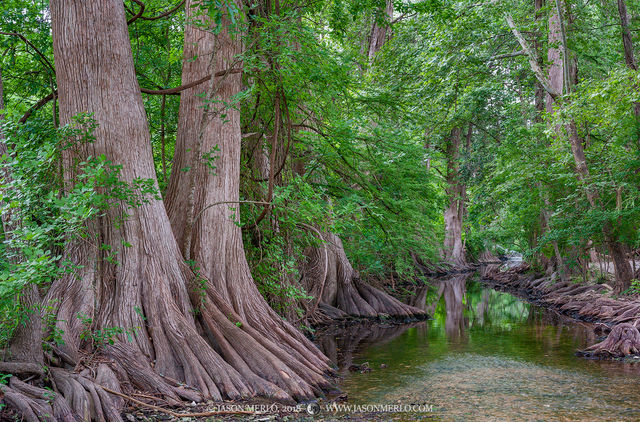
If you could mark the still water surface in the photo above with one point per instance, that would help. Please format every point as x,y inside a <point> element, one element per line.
<point>485,355</point>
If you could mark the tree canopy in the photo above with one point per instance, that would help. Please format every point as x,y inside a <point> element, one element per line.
<point>308,158</point>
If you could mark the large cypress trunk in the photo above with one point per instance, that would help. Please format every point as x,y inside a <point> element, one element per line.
<point>144,284</point>
<point>202,204</point>
<point>338,290</point>
<point>456,192</point>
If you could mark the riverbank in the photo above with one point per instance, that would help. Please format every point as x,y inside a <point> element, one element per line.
<point>483,352</point>
<point>615,316</point>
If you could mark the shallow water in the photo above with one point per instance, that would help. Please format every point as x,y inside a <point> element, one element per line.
<point>488,356</point>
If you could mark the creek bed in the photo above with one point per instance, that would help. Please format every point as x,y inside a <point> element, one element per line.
<point>485,355</point>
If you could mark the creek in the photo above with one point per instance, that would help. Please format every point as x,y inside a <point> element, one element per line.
<point>484,355</point>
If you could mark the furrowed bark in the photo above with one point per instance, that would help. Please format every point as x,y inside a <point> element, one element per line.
<point>141,288</point>
<point>280,354</point>
<point>627,45</point>
<point>456,191</point>
<point>380,30</point>
<point>329,277</point>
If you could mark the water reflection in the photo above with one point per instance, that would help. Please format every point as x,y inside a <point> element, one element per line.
<point>486,351</point>
<point>342,344</point>
<point>453,292</point>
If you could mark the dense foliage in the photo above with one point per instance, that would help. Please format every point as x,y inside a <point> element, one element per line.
<point>357,146</point>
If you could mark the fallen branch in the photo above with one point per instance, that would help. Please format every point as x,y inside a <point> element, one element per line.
<point>176,414</point>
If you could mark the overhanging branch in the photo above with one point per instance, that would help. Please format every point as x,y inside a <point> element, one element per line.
<point>169,91</point>
<point>533,62</point>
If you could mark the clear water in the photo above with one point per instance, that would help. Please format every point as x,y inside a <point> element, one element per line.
<point>487,356</point>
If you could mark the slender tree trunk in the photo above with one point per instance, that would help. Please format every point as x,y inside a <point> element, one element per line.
<point>627,44</point>
<point>561,72</point>
<point>539,103</point>
<point>539,100</point>
<point>555,59</point>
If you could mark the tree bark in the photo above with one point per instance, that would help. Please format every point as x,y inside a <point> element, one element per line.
<point>456,192</point>
<point>380,31</point>
<point>539,100</point>
<point>627,45</point>
<point>208,148</point>
<point>627,41</point>
<point>329,277</point>
<point>144,287</point>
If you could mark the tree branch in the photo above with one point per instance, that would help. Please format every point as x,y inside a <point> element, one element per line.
<point>228,202</point>
<point>137,15</point>
<point>26,41</point>
<point>546,84</point>
<point>38,105</point>
<point>153,18</point>
<point>508,55</point>
<point>169,91</point>
<point>179,89</point>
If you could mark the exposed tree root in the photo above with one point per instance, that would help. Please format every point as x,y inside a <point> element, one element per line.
<point>87,400</point>
<point>31,408</point>
<point>170,354</point>
<point>76,398</point>
<point>623,340</point>
<point>430,269</point>
<point>135,369</point>
<point>20,368</point>
<point>131,313</point>
<point>267,367</point>
<point>329,276</point>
